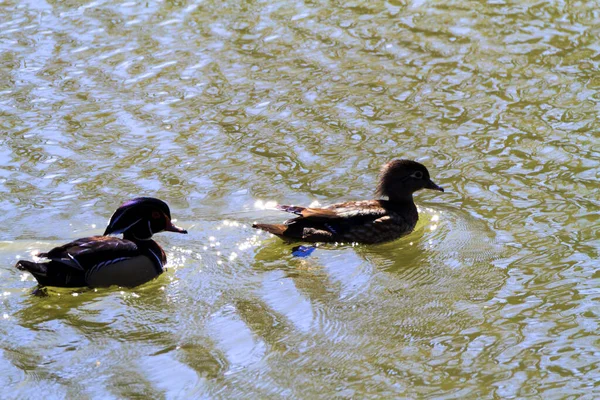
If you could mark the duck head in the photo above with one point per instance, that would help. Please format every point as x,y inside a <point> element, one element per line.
<point>399,179</point>
<point>140,218</point>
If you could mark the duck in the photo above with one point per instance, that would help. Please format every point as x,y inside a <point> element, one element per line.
<point>366,221</point>
<point>102,261</point>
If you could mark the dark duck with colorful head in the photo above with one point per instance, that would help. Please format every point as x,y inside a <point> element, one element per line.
<point>369,221</point>
<point>101,261</point>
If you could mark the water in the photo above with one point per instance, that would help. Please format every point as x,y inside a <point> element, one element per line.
<point>216,107</point>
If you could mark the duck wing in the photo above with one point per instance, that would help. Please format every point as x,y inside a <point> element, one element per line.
<point>319,213</point>
<point>72,264</point>
<point>86,253</point>
<point>337,222</point>
<point>351,210</point>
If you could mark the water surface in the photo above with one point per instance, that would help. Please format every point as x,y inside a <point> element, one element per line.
<point>217,107</point>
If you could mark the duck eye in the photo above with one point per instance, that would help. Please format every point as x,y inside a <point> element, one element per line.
<point>155,215</point>
<point>418,175</point>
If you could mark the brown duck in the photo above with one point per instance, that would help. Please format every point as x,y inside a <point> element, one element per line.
<point>368,221</point>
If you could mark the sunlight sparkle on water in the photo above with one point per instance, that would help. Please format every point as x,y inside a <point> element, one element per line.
<point>262,205</point>
<point>178,257</point>
<point>230,223</point>
<point>250,242</point>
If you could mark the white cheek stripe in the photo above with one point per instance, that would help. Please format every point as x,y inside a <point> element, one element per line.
<point>126,228</point>
<point>120,216</point>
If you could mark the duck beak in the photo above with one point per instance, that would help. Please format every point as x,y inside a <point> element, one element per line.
<point>172,228</point>
<point>433,186</point>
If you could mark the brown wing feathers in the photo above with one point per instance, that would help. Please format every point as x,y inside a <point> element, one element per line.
<point>307,212</point>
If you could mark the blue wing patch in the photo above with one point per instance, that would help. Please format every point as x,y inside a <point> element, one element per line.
<point>303,251</point>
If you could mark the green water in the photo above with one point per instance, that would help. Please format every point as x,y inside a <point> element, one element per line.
<point>217,107</point>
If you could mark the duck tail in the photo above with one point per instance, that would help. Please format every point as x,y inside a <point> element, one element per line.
<point>37,269</point>
<point>275,229</point>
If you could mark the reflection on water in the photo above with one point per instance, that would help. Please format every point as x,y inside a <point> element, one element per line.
<point>221,109</point>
